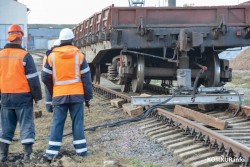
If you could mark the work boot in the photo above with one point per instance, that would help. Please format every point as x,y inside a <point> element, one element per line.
<point>84,154</point>
<point>48,157</point>
<point>27,151</point>
<point>4,150</point>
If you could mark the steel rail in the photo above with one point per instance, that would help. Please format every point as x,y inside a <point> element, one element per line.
<point>114,94</point>
<point>110,93</point>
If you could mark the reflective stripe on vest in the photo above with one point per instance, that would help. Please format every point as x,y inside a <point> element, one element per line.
<point>13,57</point>
<point>65,82</point>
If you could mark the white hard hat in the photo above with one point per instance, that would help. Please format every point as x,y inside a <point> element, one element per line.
<point>57,42</point>
<point>66,34</point>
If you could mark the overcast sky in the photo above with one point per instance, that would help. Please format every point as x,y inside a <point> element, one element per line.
<point>75,11</point>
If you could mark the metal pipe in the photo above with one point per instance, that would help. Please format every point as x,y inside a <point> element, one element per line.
<point>166,72</point>
<point>159,72</point>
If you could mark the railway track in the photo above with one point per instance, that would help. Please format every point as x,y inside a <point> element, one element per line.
<point>195,143</point>
<point>190,140</point>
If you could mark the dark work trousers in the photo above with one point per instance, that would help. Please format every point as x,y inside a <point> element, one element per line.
<point>76,111</point>
<point>9,118</point>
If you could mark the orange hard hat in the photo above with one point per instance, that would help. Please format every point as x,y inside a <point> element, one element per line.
<point>14,31</point>
<point>15,28</point>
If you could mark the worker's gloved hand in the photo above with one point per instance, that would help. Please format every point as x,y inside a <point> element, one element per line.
<point>39,103</point>
<point>87,103</point>
<point>49,107</point>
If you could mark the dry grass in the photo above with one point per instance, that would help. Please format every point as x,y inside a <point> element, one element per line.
<point>241,83</point>
<point>241,62</point>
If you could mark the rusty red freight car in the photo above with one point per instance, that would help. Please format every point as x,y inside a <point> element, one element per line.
<point>133,45</point>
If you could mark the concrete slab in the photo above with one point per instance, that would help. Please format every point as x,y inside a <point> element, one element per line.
<point>155,132</point>
<point>187,148</point>
<point>205,162</point>
<point>146,131</point>
<point>166,141</point>
<point>180,144</point>
<point>192,153</point>
<point>167,133</point>
<point>148,126</point>
<point>226,164</point>
<point>200,157</point>
<point>146,122</point>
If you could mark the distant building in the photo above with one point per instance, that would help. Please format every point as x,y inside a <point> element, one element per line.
<point>12,12</point>
<point>39,35</point>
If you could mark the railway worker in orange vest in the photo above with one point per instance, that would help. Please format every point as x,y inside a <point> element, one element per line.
<point>67,75</point>
<point>19,85</point>
<point>48,96</point>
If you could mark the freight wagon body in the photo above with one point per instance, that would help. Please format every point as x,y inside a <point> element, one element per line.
<point>132,45</point>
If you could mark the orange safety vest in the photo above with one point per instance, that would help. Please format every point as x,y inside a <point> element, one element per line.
<point>65,62</point>
<point>12,73</point>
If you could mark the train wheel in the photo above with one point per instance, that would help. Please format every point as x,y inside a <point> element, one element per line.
<point>137,81</point>
<point>97,75</point>
<point>125,88</point>
<point>147,81</point>
<point>213,72</point>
